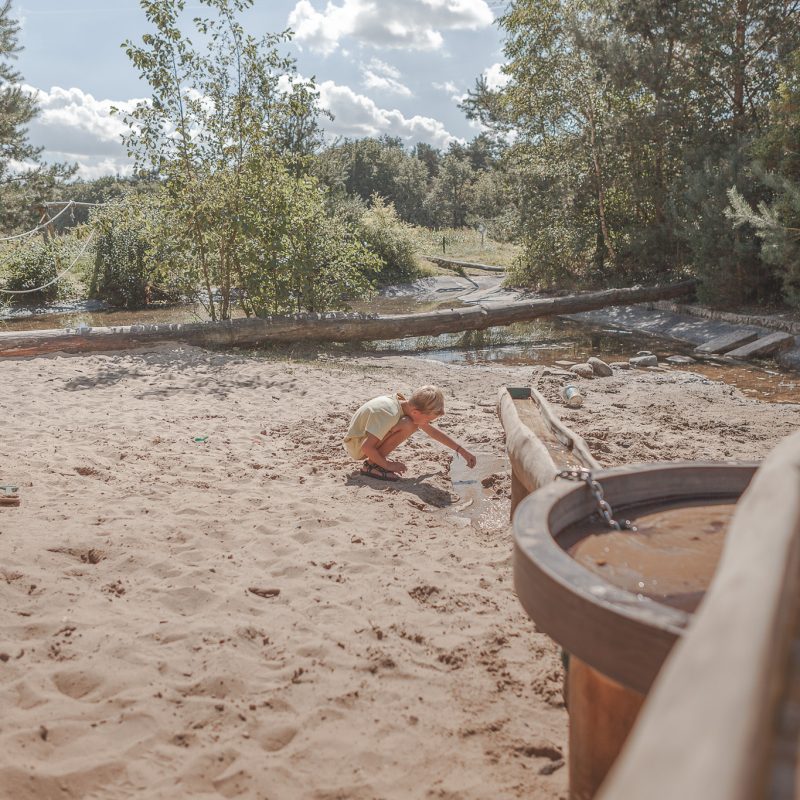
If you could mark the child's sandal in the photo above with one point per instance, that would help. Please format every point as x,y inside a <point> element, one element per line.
<point>371,470</point>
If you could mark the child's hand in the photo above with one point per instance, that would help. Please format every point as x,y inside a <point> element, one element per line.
<point>469,458</point>
<point>397,466</point>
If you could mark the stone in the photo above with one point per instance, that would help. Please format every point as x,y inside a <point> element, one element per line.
<point>619,365</point>
<point>584,370</point>
<point>600,368</point>
<point>728,341</point>
<point>764,346</point>
<point>644,353</point>
<point>680,360</point>
<point>643,361</point>
<point>565,364</point>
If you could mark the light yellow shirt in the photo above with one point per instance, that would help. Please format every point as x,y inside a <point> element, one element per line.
<point>378,417</point>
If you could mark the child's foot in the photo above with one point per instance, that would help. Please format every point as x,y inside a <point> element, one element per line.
<point>371,470</point>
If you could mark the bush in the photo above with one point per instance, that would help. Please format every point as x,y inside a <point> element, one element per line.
<point>135,257</point>
<point>392,240</point>
<point>34,263</point>
<point>294,255</point>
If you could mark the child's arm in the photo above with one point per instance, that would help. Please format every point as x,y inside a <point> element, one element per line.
<point>441,436</point>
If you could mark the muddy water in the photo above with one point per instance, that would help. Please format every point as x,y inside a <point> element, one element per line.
<point>671,557</point>
<point>474,487</point>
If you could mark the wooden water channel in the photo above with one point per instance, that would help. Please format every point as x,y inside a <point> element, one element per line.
<point>721,720</point>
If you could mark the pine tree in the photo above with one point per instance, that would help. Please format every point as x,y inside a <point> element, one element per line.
<point>23,178</point>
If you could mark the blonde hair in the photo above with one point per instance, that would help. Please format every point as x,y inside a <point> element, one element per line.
<point>428,400</point>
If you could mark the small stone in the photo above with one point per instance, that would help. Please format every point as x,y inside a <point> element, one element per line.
<point>600,368</point>
<point>565,364</point>
<point>619,365</point>
<point>644,353</point>
<point>643,361</point>
<point>680,360</point>
<point>584,370</point>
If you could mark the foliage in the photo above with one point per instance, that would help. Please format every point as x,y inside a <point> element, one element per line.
<point>296,256</point>
<point>23,179</point>
<point>391,239</point>
<point>776,216</point>
<point>35,262</point>
<point>628,123</point>
<point>230,130</point>
<point>137,259</point>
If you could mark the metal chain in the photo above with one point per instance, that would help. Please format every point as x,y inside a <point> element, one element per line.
<point>603,506</point>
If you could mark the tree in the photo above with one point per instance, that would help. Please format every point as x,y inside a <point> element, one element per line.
<point>23,178</point>
<point>227,123</point>
<point>776,218</point>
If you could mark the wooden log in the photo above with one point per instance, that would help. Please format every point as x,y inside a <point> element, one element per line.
<point>459,265</point>
<point>333,327</point>
<point>538,443</point>
<point>721,720</point>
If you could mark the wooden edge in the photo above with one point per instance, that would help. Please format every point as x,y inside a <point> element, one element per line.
<point>708,726</point>
<point>567,436</point>
<point>624,635</point>
<point>530,460</point>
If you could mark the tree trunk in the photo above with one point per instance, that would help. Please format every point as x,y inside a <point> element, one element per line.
<point>601,193</point>
<point>333,327</point>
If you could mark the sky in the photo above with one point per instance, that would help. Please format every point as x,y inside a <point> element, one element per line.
<point>396,67</point>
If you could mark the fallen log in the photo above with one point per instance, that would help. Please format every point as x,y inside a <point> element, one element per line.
<point>331,327</point>
<point>459,265</point>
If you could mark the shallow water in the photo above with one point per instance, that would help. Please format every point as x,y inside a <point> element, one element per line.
<point>541,342</point>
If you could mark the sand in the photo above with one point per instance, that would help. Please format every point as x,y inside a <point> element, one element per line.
<point>245,616</point>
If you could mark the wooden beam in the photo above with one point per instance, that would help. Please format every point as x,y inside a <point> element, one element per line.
<point>332,327</point>
<point>460,265</point>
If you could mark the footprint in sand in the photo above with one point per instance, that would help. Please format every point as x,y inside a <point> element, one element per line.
<point>276,738</point>
<point>77,683</point>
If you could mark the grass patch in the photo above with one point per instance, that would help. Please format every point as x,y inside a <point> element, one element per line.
<point>463,244</point>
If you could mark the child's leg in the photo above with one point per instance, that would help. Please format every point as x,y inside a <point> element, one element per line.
<point>396,436</point>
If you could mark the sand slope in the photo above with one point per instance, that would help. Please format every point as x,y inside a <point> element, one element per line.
<point>395,661</point>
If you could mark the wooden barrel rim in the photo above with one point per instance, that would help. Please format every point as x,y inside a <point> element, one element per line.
<point>623,635</point>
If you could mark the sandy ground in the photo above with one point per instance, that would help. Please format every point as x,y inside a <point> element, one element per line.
<point>246,617</point>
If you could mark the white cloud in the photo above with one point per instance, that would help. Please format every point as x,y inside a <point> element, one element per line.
<point>447,86</point>
<point>495,77</point>
<point>384,77</point>
<point>73,126</point>
<point>357,115</point>
<point>407,24</point>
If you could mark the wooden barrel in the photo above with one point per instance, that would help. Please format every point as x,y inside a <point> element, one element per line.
<point>618,638</point>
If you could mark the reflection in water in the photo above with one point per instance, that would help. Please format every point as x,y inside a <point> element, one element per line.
<point>541,342</point>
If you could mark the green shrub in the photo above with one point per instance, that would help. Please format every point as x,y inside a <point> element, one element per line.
<point>136,260</point>
<point>392,240</point>
<point>33,263</point>
<point>294,255</point>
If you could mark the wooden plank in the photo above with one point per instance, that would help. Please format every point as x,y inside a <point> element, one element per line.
<point>334,327</point>
<point>708,728</point>
<point>764,346</point>
<point>728,341</point>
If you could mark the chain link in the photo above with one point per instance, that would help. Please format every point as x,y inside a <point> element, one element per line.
<point>603,507</point>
